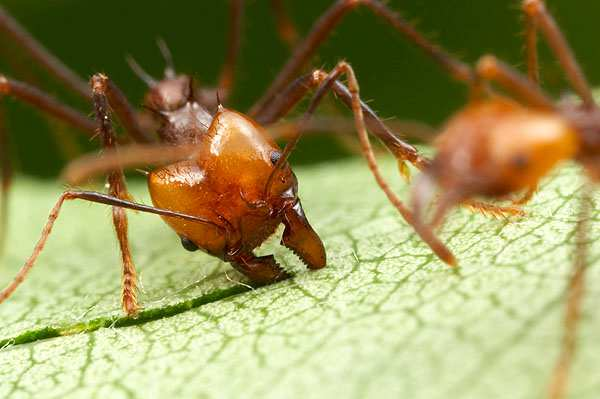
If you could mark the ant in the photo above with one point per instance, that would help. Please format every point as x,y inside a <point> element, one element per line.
<point>222,184</point>
<point>498,146</point>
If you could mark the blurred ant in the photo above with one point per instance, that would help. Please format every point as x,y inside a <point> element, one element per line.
<point>497,146</point>
<point>226,185</point>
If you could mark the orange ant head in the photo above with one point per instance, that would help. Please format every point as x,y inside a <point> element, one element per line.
<point>237,179</point>
<point>238,150</point>
<point>497,147</point>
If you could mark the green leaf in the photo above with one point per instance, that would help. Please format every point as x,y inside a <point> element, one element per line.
<point>384,319</point>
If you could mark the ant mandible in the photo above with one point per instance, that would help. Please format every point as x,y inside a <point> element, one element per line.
<point>497,146</point>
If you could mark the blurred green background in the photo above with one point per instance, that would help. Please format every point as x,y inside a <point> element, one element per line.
<point>400,81</point>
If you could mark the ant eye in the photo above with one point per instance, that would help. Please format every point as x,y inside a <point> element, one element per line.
<point>275,156</point>
<point>520,161</point>
<point>188,244</point>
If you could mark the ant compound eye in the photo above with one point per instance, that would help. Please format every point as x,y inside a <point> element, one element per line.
<point>188,244</point>
<point>520,161</point>
<point>275,156</point>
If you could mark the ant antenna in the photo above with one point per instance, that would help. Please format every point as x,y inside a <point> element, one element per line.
<point>191,88</point>
<point>139,71</point>
<point>166,53</point>
<point>219,103</point>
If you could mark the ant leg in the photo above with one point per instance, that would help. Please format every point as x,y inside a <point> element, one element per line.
<point>495,211</point>
<point>342,129</point>
<point>342,126</point>
<point>42,101</point>
<point>326,85</point>
<point>287,31</point>
<point>540,17</point>
<point>490,68</point>
<point>533,67</point>
<point>123,108</point>
<point>575,291</point>
<point>92,197</point>
<point>130,156</point>
<point>329,20</point>
<point>284,102</point>
<point>10,27</point>
<point>116,188</point>
<point>227,76</point>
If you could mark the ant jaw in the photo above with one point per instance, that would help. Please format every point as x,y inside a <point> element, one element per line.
<point>301,239</point>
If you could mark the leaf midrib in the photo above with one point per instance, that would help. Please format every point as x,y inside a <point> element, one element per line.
<point>142,317</point>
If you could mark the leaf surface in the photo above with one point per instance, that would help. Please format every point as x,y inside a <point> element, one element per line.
<point>384,319</point>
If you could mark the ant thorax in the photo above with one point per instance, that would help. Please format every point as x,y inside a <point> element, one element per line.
<point>184,125</point>
<point>180,117</point>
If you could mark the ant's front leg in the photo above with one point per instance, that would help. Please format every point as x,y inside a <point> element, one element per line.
<point>329,82</point>
<point>118,189</point>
